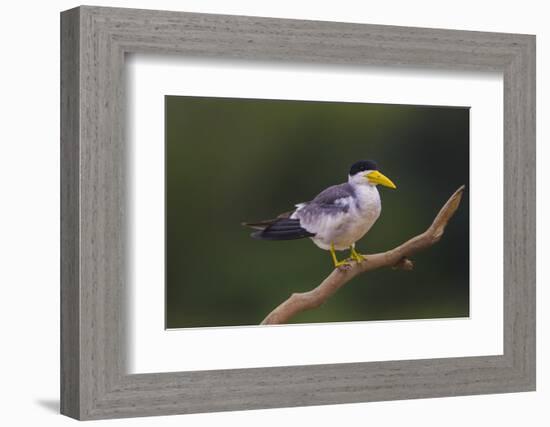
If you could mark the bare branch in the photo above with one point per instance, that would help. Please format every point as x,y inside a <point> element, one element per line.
<point>396,258</point>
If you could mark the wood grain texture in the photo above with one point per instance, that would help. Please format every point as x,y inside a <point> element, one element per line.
<point>70,221</point>
<point>94,380</point>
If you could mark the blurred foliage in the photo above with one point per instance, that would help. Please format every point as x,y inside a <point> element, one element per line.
<point>233,160</point>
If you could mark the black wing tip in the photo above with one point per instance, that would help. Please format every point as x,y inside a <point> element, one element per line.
<point>259,226</point>
<point>280,229</point>
<point>255,225</point>
<point>262,235</point>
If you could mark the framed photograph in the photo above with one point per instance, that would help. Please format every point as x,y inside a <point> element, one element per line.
<point>262,213</point>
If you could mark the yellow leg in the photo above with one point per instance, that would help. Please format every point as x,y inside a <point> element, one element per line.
<point>356,255</point>
<point>335,260</point>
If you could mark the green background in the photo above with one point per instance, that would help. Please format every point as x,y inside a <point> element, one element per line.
<point>233,160</point>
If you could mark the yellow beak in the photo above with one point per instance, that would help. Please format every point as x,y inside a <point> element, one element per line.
<point>376,177</point>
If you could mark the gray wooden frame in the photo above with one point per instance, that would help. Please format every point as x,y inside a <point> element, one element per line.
<point>94,382</point>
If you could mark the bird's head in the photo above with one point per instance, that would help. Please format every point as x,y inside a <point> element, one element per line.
<point>365,172</point>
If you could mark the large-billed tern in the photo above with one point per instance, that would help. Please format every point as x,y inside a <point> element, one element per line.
<point>337,217</point>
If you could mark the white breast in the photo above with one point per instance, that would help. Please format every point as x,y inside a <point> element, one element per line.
<point>345,229</point>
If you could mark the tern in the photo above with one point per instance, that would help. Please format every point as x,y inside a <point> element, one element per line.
<point>336,218</point>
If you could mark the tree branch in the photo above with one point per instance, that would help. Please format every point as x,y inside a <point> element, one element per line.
<point>396,258</point>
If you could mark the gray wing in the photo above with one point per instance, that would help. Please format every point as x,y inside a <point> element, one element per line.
<point>327,208</point>
<point>336,196</point>
<point>332,202</point>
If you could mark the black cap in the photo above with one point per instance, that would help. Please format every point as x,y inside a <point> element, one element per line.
<point>363,165</point>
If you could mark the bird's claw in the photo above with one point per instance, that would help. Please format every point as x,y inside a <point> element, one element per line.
<point>357,257</point>
<point>343,265</point>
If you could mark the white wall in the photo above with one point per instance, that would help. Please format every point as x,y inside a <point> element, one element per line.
<point>29,226</point>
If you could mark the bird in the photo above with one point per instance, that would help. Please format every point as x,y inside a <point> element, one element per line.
<point>336,218</point>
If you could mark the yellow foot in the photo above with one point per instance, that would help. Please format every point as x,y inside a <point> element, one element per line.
<point>356,256</point>
<point>342,265</point>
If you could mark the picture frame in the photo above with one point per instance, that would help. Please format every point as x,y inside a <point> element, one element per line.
<point>94,380</point>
